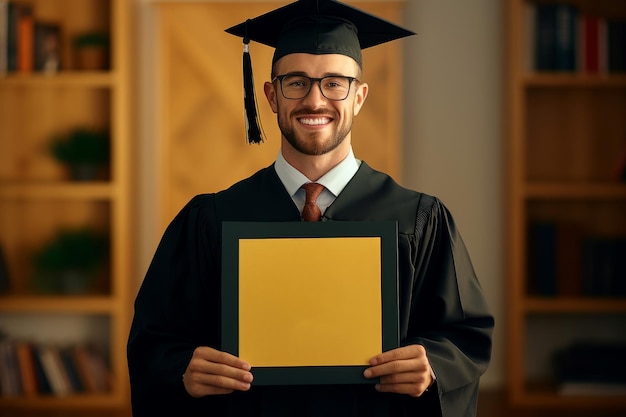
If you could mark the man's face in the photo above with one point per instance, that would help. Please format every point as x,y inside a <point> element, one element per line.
<point>316,125</point>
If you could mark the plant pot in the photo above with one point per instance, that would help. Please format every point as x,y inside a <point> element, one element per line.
<point>71,281</point>
<point>84,172</point>
<point>91,58</point>
<point>74,282</point>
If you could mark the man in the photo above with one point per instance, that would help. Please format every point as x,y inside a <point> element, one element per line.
<point>175,362</point>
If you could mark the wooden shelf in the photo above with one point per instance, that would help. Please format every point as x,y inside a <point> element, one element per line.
<point>37,202</point>
<point>60,79</point>
<point>57,190</point>
<point>66,403</point>
<point>566,134</point>
<point>565,305</point>
<point>574,190</point>
<point>576,80</point>
<point>552,400</point>
<point>65,304</point>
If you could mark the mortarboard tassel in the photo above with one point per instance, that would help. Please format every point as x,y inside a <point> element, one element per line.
<point>254,131</point>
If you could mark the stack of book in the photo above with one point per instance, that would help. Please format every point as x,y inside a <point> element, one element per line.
<point>559,37</point>
<point>591,368</point>
<point>28,369</point>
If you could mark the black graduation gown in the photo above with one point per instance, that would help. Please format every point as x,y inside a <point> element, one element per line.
<point>441,305</point>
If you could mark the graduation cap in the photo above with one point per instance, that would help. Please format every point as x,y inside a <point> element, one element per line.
<point>313,27</point>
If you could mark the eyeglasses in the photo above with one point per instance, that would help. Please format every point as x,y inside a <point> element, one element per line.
<point>295,87</point>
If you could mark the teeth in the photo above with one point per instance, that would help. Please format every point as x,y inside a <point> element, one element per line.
<point>315,121</point>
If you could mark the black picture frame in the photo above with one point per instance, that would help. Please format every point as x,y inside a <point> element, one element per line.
<point>47,47</point>
<point>233,232</point>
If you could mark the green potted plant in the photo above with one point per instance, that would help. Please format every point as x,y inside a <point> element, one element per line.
<point>70,262</point>
<point>91,50</point>
<point>83,151</point>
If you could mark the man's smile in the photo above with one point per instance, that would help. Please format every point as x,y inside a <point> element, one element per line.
<point>314,121</point>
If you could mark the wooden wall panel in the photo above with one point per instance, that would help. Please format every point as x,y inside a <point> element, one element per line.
<point>201,139</point>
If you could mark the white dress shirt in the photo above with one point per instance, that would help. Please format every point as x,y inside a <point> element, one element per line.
<point>334,181</point>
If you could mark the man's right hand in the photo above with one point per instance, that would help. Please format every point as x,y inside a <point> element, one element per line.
<point>213,372</point>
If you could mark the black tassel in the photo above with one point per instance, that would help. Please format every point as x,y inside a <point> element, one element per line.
<point>254,131</point>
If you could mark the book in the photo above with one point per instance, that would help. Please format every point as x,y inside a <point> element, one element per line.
<point>81,356</point>
<point>604,271</point>
<point>542,241</point>
<point>26,365</point>
<point>13,10</point>
<point>566,38</point>
<point>590,44</point>
<point>616,42</point>
<point>4,32</point>
<point>569,277</point>
<point>53,368</point>
<point>556,34</point>
<point>71,368</point>
<point>99,369</point>
<point>25,42</point>
<point>10,382</point>
<point>43,383</point>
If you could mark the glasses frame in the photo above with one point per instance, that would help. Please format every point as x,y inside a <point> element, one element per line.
<point>312,80</point>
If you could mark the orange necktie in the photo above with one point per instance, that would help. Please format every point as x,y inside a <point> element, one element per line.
<point>311,212</point>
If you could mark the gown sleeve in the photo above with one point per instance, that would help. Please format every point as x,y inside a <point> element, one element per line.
<point>447,312</point>
<point>165,326</point>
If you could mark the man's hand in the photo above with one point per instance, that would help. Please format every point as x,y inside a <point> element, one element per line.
<point>212,372</point>
<point>403,370</point>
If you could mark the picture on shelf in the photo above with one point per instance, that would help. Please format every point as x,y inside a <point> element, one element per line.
<point>47,51</point>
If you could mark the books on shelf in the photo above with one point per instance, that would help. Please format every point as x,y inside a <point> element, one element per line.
<point>591,368</point>
<point>28,369</point>
<point>27,44</point>
<point>560,37</point>
<point>565,262</point>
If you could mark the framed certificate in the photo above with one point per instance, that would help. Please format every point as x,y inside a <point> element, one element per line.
<point>309,303</point>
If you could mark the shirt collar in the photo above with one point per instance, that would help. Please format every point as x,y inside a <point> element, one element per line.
<point>334,180</point>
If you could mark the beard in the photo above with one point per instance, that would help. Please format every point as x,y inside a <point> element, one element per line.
<point>313,143</point>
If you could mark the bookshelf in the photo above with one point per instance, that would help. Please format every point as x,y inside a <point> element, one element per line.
<point>565,135</point>
<point>38,198</point>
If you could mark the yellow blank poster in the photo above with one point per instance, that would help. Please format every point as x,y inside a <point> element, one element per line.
<point>310,301</point>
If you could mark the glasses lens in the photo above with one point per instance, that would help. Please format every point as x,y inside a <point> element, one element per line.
<point>295,86</point>
<point>335,88</point>
<point>298,86</point>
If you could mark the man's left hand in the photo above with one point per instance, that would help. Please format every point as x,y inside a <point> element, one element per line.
<point>404,370</point>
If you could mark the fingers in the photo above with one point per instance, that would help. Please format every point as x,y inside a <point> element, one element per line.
<point>405,352</point>
<point>212,372</point>
<point>218,356</point>
<point>404,370</point>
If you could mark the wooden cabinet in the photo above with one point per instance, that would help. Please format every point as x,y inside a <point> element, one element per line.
<point>565,135</point>
<point>38,198</point>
